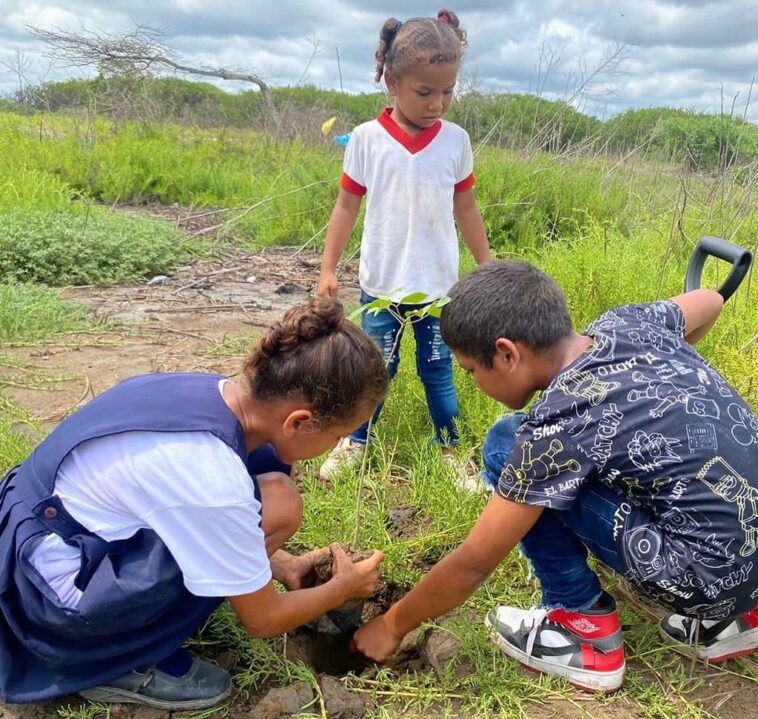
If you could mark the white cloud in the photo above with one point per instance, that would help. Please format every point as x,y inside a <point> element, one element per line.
<point>682,54</point>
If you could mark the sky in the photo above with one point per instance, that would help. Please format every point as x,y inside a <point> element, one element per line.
<point>603,56</point>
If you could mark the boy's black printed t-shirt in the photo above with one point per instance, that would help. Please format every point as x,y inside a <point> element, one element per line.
<point>642,412</point>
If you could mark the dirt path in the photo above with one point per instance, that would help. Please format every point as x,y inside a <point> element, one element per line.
<point>169,326</point>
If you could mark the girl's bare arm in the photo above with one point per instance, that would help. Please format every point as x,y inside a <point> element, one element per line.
<point>471,225</point>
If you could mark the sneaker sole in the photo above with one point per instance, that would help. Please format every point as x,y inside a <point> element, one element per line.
<point>113,695</point>
<point>592,681</point>
<point>739,645</point>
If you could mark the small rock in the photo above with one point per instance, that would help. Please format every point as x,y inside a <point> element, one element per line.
<point>250,280</point>
<point>440,646</point>
<point>227,660</point>
<point>290,288</point>
<point>283,702</point>
<point>158,280</point>
<point>341,703</point>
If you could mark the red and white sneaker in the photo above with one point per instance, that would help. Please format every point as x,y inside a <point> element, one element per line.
<point>586,647</point>
<point>717,641</point>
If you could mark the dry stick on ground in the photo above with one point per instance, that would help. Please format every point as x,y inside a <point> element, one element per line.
<point>76,405</point>
<point>202,280</point>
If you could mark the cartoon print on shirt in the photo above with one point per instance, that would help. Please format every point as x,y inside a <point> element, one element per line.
<point>702,436</point>
<point>724,481</point>
<point>723,388</point>
<point>668,344</point>
<point>652,451</point>
<point>642,550</point>
<point>680,521</point>
<point>713,588</point>
<point>577,421</point>
<point>712,553</point>
<point>603,346</point>
<point>518,480</point>
<point>584,385</point>
<point>669,394</point>
<point>745,428</point>
<point>719,610</point>
<point>644,495</point>
<point>545,465</point>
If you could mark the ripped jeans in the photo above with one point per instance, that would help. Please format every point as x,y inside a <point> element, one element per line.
<point>434,365</point>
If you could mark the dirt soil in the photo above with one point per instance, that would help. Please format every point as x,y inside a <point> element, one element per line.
<point>168,325</point>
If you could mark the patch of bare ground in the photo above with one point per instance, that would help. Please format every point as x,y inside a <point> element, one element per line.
<point>166,326</point>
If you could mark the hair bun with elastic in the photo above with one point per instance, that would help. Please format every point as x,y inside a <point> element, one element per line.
<point>449,18</point>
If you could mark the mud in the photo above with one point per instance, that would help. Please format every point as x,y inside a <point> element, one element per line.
<point>168,327</point>
<point>405,521</point>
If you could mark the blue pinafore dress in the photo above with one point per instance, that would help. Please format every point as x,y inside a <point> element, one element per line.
<point>135,609</point>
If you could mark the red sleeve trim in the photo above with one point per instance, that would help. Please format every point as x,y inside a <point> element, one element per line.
<point>466,184</point>
<point>349,184</point>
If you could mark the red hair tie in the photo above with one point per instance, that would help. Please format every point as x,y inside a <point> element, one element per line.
<point>442,17</point>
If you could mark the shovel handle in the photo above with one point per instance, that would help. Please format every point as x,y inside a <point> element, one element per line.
<point>739,258</point>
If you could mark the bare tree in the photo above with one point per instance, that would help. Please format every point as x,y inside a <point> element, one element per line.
<point>137,53</point>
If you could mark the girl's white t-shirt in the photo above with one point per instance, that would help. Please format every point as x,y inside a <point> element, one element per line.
<point>191,488</point>
<point>409,241</point>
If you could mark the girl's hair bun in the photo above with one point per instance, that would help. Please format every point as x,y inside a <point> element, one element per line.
<point>449,18</point>
<point>321,316</point>
<point>315,356</point>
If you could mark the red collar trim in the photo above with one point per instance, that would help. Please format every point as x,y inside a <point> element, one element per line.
<point>412,144</point>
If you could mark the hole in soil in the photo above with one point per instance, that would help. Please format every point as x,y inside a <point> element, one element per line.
<point>325,653</point>
<point>325,645</point>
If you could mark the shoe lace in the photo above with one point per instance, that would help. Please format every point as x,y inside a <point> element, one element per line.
<point>694,633</point>
<point>533,620</point>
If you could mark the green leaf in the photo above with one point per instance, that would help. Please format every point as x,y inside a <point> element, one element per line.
<point>415,298</point>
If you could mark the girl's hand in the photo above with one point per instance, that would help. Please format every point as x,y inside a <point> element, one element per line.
<point>297,572</point>
<point>358,579</point>
<point>375,641</point>
<point>327,284</point>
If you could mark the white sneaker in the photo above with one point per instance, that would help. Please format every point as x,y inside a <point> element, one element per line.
<point>465,476</point>
<point>585,647</point>
<point>717,641</point>
<point>347,453</point>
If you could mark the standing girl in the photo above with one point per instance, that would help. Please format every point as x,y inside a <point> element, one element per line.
<point>416,171</point>
<point>129,524</point>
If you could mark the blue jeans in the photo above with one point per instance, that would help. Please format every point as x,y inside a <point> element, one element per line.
<point>434,365</point>
<point>557,544</point>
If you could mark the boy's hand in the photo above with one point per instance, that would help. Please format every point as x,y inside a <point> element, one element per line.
<point>359,579</point>
<point>375,641</point>
<point>327,284</point>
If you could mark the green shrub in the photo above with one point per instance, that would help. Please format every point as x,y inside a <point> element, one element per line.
<point>59,248</point>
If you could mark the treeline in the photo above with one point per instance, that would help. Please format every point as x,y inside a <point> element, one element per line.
<point>701,141</point>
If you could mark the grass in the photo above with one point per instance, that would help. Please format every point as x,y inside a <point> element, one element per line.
<point>608,233</point>
<point>32,312</point>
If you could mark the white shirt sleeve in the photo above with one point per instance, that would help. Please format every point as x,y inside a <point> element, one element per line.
<point>466,160</point>
<point>355,158</point>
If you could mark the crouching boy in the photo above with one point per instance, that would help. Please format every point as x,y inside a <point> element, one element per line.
<point>636,450</point>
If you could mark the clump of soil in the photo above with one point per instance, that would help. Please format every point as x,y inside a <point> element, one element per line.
<point>300,698</point>
<point>348,617</point>
<point>324,644</point>
<point>404,521</point>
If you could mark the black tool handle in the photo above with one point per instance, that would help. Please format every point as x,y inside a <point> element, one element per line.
<point>739,257</point>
